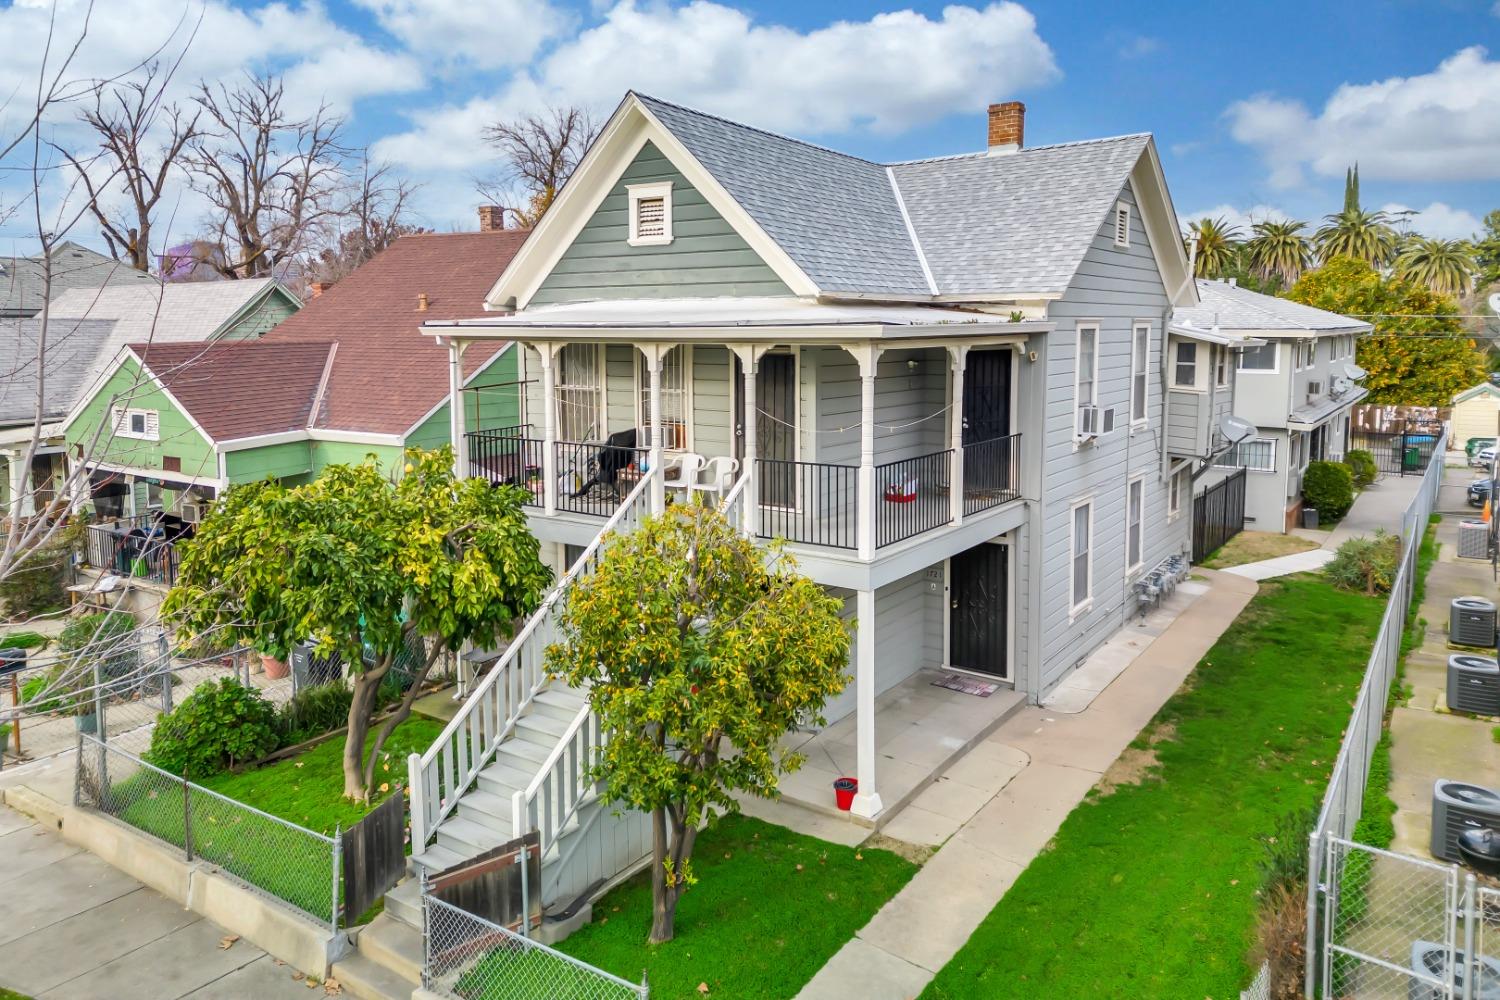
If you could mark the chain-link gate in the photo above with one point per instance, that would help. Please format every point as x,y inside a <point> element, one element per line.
<point>1391,925</point>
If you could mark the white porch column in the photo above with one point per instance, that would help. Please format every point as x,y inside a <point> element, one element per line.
<point>749,356</point>
<point>958,358</point>
<point>868,357</point>
<point>20,484</point>
<point>867,800</point>
<point>457,417</point>
<point>653,353</point>
<point>549,428</point>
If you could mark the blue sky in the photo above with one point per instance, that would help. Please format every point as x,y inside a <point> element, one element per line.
<point>1256,110</point>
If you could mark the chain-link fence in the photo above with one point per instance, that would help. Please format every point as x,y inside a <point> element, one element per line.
<point>278,858</point>
<point>468,958</point>
<point>1260,986</point>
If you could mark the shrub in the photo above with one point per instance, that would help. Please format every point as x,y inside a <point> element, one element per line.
<point>23,640</point>
<point>216,727</point>
<point>314,711</point>
<point>107,636</point>
<point>1328,487</point>
<point>1362,467</point>
<point>1366,564</point>
<point>39,586</point>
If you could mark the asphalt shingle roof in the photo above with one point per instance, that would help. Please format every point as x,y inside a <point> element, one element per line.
<point>72,346</point>
<point>73,266</point>
<point>1231,307</point>
<point>239,388</point>
<point>987,225</point>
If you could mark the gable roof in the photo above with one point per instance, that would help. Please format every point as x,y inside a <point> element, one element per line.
<point>1230,307</point>
<point>963,228</point>
<point>73,266</point>
<point>72,347</point>
<point>386,376</point>
<point>1482,389</point>
<point>240,388</point>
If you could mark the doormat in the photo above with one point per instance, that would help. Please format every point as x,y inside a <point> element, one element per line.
<point>966,685</point>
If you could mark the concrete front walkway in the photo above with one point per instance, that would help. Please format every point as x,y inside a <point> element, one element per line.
<point>77,929</point>
<point>1041,764</point>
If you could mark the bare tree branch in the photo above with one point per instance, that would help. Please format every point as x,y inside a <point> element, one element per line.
<point>540,153</point>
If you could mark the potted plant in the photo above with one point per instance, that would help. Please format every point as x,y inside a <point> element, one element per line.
<point>273,662</point>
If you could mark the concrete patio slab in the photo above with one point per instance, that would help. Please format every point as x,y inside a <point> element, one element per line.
<point>1298,562</point>
<point>870,973</point>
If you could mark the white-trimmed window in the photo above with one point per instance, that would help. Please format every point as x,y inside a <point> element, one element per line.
<point>650,213</point>
<point>1135,496</point>
<point>1174,495</point>
<point>1221,367</point>
<point>580,392</point>
<point>1307,353</point>
<point>675,399</point>
<point>1122,225</point>
<point>1185,365</point>
<point>1256,454</point>
<point>1086,372</point>
<point>1140,365</point>
<point>1081,547</point>
<point>130,422</point>
<point>1259,359</point>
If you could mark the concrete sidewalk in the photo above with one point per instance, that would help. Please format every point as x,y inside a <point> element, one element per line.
<point>1049,761</point>
<point>77,929</point>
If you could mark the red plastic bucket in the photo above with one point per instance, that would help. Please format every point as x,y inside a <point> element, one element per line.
<point>843,792</point>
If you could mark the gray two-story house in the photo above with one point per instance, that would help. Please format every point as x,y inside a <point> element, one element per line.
<point>1296,383</point>
<point>947,384</point>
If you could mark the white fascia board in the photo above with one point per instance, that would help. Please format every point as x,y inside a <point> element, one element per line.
<point>144,473</point>
<point>1213,336</point>
<point>355,437</point>
<point>1153,202</point>
<point>262,440</point>
<point>623,137</point>
<point>811,333</point>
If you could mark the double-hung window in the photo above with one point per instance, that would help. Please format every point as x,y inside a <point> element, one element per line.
<point>1221,366</point>
<point>579,393</point>
<point>1087,375</point>
<point>1135,499</point>
<point>130,422</point>
<point>674,395</point>
<point>1185,366</point>
<point>1259,359</point>
<point>1083,555</point>
<point>1174,494</point>
<point>1140,361</point>
<point>1255,454</point>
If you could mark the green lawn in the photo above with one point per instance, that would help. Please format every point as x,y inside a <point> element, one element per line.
<point>1151,891</point>
<point>771,907</point>
<point>6,994</point>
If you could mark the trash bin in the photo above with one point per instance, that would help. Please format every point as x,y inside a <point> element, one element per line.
<point>1411,458</point>
<point>1309,517</point>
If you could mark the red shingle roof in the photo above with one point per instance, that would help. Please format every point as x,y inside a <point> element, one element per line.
<point>240,388</point>
<point>386,374</point>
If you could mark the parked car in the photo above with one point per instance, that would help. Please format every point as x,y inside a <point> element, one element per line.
<point>1474,445</point>
<point>1480,490</point>
<point>1485,456</point>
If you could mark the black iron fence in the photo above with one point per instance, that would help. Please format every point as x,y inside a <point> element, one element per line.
<point>913,497</point>
<point>1404,454</point>
<point>1218,515</point>
<point>809,502</point>
<point>992,473</point>
<point>595,478</point>
<point>508,455</point>
<point>143,546</point>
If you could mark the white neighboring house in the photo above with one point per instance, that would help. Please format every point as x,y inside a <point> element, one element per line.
<point>1296,388</point>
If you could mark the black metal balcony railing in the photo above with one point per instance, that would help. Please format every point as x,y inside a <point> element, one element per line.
<point>507,455</point>
<point>912,496</point>
<point>143,546</point>
<point>596,478</point>
<point>992,473</point>
<point>809,502</point>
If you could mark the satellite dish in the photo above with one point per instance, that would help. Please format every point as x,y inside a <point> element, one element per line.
<point>1354,371</point>
<point>1235,429</point>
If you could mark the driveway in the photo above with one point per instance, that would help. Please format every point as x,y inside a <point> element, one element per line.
<point>78,929</point>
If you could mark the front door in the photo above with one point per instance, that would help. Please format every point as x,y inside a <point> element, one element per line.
<point>986,396</point>
<point>776,429</point>
<point>979,614</point>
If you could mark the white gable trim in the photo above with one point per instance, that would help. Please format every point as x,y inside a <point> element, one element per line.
<point>126,354</point>
<point>621,140</point>
<point>1153,203</point>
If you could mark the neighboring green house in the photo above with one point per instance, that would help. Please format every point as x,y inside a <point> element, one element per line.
<point>348,376</point>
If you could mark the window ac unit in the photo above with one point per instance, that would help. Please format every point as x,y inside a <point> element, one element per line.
<point>192,513</point>
<point>1088,423</point>
<point>1314,388</point>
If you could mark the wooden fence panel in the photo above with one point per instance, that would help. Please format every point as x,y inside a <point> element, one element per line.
<point>374,855</point>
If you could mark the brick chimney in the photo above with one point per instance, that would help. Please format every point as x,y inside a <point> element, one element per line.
<point>319,287</point>
<point>491,218</point>
<point>1007,126</point>
<point>422,302</point>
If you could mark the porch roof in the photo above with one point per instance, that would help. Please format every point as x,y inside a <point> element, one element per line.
<point>1308,418</point>
<point>1212,335</point>
<point>752,319</point>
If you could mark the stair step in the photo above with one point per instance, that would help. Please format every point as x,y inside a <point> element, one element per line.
<point>486,803</point>
<point>404,903</point>
<point>394,946</point>
<point>523,753</point>
<point>503,781</point>
<point>559,702</point>
<point>437,858</point>
<point>459,833</point>
<point>360,977</point>
<point>540,728</point>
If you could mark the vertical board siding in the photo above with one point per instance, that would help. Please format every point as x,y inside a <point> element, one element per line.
<point>705,258</point>
<point>1114,286</point>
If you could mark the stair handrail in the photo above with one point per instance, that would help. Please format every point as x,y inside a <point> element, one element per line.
<point>733,504</point>
<point>470,739</point>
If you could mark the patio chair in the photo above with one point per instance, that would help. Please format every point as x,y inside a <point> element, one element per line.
<point>683,473</point>
<point>718,474</point>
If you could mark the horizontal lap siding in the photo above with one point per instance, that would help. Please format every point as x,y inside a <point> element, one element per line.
<point>705,258</point>
<point>1185,422</point>
<point>176,437</point>
<point>278,461</point>
<point>908,634</point>
<point>1115,286</point>
<point>910,415</point>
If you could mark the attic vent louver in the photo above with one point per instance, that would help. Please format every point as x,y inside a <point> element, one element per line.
<point>650,214</point>
<point>1122,225</point>
<point>651,217</point>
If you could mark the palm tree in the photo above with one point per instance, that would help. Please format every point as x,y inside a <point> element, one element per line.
<point>1218,246</point>
<point>1278,249</point>
<point>1356,233</point>
<point>1445,266</point>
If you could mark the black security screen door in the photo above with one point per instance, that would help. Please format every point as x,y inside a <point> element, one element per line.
<point>776,429</point>
<point>986,396</point>
<point>977,620</point>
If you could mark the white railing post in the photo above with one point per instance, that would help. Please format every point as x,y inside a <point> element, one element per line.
<point>457,416</point>
<point>868,357</point>
<point>749,365</point>
<point>549,429</point>
<point>958,357</point>
<point>416,783</point>
<point>653,353</point>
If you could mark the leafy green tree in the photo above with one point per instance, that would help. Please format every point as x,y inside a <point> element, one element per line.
<point>1445,266</point>
<point>1218,247</point>
<point>1351,189</point>
<point>699,655</point>
<point>1487,251</point>
<point>1418,353</point>
<point>363,567</point>
<point>1278,251</point>
<point>1366,236</point>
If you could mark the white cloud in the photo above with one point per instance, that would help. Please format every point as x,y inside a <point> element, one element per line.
<point>1138,46</point>
<point>1242,218</point>
<point>886,74</point>
<point>1440,220</point>
<point>1437,126</point>
<point>490,34</point>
